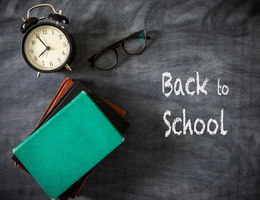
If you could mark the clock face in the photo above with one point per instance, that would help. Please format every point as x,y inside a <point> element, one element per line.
<point>46,47</point>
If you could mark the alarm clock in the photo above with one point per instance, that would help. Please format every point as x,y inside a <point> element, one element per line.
<point>47,46</point>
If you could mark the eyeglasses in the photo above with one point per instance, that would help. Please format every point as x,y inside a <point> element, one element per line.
<point>107,58</point>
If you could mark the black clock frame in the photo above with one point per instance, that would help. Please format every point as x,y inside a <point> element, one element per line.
<point>69,38</point>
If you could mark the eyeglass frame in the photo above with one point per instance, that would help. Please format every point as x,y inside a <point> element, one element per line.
<point>116,45</point>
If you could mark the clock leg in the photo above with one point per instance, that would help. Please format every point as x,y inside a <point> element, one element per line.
<point>68,67</point>
<point>38,74</point>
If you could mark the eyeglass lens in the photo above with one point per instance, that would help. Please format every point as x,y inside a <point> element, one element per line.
<point>106,59</point>
<point>135,44</point>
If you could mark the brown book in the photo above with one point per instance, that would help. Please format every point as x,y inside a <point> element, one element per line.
<point>65,85</point>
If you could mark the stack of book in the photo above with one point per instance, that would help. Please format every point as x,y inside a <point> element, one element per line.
<point>76,132</point>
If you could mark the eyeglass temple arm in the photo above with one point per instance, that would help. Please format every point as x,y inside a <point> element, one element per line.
<point>91,60</point>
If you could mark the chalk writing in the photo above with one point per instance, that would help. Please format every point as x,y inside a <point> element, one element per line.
<point>199,126</point>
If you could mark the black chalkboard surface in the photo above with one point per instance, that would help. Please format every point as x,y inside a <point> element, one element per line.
<point>217,40</point>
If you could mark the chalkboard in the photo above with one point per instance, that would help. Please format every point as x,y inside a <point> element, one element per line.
<point>217,40</point>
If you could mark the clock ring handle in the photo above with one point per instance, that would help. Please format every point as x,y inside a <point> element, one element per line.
<point>41,5</point>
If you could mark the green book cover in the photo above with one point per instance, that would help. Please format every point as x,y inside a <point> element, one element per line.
<point>78,137</point>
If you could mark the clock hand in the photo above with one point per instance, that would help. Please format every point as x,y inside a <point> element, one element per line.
<point>42,52</point>
<point>46,49</point>
<point>41,40</point>
<point>47,54</point>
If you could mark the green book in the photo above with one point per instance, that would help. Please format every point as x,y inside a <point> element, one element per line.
<point>78,137</point>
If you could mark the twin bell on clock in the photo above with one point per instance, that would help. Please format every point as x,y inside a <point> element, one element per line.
<point>47,46</point>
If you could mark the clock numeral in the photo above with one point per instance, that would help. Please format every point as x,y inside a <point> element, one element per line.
<point>51,64</point>
<point>60,36</point>
<point>52,32</point>
<point>35,58</point>
<point>43,63</point>
<point>59,60</point>
<point>64,44</point>
<point>33,42</point>
<point>63,53</point>
<point>30,51</point>
<point>44,31</point>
